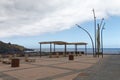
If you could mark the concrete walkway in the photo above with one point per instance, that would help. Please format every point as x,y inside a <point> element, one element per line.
<point>48,68</point>
<point>106,69</point>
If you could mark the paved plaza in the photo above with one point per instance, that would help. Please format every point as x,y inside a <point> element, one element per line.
<point>46,68</point>
<point>107,69</point>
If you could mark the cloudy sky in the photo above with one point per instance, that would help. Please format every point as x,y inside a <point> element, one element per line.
<point>27,22</point>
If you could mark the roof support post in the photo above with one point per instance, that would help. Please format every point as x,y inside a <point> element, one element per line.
<point>40,49</point>
<point>86,49</point>
<point>65,50</point>
<point>50,48</point>
<point>75,48</point>
<point>54,48</point>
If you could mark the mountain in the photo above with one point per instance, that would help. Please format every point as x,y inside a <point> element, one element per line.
<point>11,48</point>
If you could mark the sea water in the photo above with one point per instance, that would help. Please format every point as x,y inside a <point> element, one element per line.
<point>89,50</point>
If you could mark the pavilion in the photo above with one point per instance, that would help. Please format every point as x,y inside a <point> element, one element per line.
<point>54,43</point>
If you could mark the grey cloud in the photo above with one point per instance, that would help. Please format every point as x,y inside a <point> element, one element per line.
<point>33,17</point>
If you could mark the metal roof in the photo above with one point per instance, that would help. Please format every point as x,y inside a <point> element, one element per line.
<point>77,43</point>
<point>53,42</point>
<point>63,43</point>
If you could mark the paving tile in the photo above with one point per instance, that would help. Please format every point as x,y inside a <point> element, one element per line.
<point>5,67</point>
<point>35,73</point>
<point>74,65</point>
<point>1,79</point>
<point>44,68</point>
<point>69,77</point>
<point>45,62</point>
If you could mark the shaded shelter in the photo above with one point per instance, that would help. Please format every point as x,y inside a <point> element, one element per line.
<point>62,43</point>
<point>76,45</point>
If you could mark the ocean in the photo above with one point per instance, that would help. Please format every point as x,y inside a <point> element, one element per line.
<point>89,50</point>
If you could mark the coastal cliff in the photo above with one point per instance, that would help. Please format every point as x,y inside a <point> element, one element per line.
<point>11,48</point>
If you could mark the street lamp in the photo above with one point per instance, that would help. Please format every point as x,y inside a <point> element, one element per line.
<point>89,36</point>
<point>102,38</point>
<point>94,28</point>
<point>99,43</point>
<point>101,22</point>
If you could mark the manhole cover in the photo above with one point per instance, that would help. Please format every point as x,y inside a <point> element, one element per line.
<point>83,74</point>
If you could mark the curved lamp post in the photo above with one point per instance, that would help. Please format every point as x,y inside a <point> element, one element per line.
<point>89,36</point>
<point>98,40</point>
<point>94,28</point>
<point>102,38</point>
<point>101,22</point>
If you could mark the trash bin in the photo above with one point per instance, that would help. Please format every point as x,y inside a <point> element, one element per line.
<point>15,63</point>
<point>71,57</point>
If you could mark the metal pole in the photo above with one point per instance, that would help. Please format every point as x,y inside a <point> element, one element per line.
<point>86,49</point>
<point>50,49</point>
<point>102,42</point>
<point>98,40</point>
<point>89,36</point>
<point>94,29</point>
<point>102,38</point>
<point>40,49</point>
<point>76,49</point>
<point>101,22</point>
<point>65,49</point>
<point>54,47</point>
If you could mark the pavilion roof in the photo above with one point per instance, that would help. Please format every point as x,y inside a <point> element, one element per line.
<point>77,43</point>
<point>53,42</point>
<point>63,43</point>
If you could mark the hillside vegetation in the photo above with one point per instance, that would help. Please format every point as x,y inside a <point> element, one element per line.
<point>11,48</point>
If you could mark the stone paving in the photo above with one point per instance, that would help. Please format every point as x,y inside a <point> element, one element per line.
<point>48,68</point>
<point>105,69</point>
